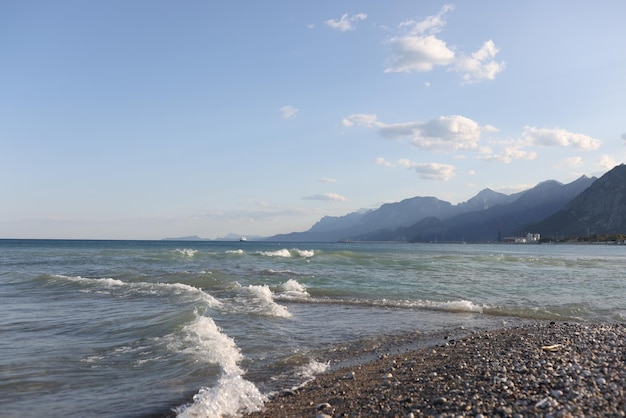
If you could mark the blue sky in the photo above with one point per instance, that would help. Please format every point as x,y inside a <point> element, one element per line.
<point>144,119</point>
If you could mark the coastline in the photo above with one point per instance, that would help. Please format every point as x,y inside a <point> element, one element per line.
<point>540,369</point>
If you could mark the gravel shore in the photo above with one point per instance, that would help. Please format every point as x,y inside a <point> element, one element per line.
<point>538,370</point>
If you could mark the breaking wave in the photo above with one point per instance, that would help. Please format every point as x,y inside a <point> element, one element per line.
<point>115,286</point>
<point>293,253</point>
<point>186,252</point>
<point>206,342</point>
<point>292,290</point>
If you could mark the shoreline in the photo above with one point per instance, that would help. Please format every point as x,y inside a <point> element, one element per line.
<point>540,369</point>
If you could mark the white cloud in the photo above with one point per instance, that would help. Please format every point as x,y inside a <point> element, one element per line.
<point>426,171</point>
<point>559,137</point>
<point>418,49</point>
<point>327,180</point>
<point>434,171</point>
<point>624,136</point>
<point>448,133</point>
<point>382,161</point>
<point>445,133</point>
<point>346,23</point>
<point>288,112</point>
<point>517,149</point>
<point>570,162</point>
<point>480,65</point>
<point>514,153</point>
<point>606,162</point>
<point>418,53</point>
<point>327,197</point>
<point>429,25</point>
<point>511,150</point>
<point>458,133</point>
<point>361,119</point>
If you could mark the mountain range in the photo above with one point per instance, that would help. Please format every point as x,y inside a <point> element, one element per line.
<point>586,205</point>
<point>598,210</point>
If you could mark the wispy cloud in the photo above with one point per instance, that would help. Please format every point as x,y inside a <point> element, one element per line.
<point>288,112</point>
<point>445,133</point>
<point>327,197</point>
<point>426,171</point>
<point>571,162</point>
<point>417,48</point>
<point>346,22</point>
<point>606,162</point>
<point>508,151</point>
<point>326,180</point>
<point>559,137</point>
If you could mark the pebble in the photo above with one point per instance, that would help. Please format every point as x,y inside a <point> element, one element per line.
<point>504,373</point>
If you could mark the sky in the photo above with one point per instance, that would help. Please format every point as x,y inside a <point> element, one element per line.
<point>145,119</point>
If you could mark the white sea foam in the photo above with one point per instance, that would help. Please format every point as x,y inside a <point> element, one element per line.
<point>295,252</point>
<point>186,252</point>
<point>232,395</point>
<point>304,253</point>
<point>303,374</point>
<point>240,251</point>
<point>312,369</point>
<point>458,306</point>
<point>449,306</point>
<point>278,253</point>
<point>292,289</point>
<point>104,282</point>
<point>263,302</point>
<point>205,342</point>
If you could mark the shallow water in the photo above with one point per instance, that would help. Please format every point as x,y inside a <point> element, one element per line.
<point>134,328</point>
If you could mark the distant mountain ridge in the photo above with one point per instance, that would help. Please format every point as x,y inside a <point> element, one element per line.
<point>488,216</point>
<point>598,210</point>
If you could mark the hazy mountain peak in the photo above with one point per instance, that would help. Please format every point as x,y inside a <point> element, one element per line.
<point>485,199</point>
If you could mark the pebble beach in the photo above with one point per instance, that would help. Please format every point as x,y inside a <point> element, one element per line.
<point>536,370</point>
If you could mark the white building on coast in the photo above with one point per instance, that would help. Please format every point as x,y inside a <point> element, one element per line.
<point>528,239</point>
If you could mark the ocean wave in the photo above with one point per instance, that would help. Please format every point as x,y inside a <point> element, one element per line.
<point>186,252</point>
<point>291,290</point>
<point>159,289</point>
<point>239,251</point>
<point>285,253</point>
<point>298,375</point>
<point>232,395</point>
<point>272,272</point>
<point>448,306</point>
<point>308,371</point>
<point>259,299</point>
<point>558,313</point>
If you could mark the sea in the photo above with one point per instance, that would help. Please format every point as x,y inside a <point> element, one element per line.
<point>212,329</point>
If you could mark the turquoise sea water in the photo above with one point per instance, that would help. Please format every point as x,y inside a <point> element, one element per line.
<point>149,328</point>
